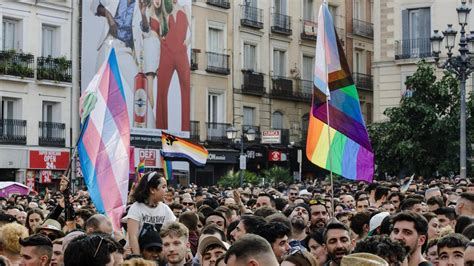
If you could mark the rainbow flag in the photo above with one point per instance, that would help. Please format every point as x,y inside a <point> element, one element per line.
<point>167,168</point>
<point>178,148</point>
<point>105,144</point>
<point>141,167</point>
<point>342,145</point>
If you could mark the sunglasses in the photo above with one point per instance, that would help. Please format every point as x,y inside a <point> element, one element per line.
<point>188,203</point>
<point>316,202</point>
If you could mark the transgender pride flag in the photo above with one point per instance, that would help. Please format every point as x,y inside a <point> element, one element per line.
<point>105,143</point>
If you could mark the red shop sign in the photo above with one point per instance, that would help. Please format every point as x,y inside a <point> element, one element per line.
<point>49,160</point>
<point>148,156</point>
<point>274,156</point>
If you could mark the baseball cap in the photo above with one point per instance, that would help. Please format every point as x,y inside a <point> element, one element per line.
<point>376,221</point>
<point>209,240</point>
<point>150,239</point>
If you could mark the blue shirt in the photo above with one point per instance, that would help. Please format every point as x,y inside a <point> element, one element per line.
<point>124,18</point>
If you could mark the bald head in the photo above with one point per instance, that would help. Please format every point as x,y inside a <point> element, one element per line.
<point>99,223</point>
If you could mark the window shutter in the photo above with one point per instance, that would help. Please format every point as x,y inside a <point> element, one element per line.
<point>406,33</point>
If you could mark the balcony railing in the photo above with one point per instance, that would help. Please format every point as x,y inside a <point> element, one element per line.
<point>258,134</point>
<point>281,24</point>
<point>363,28</point>
<point>194,59</point>
<point>413,48</point>
<point>194,132</point>
<point>220,3</point>
<point>286,88</point>
<point>12,131</point>
<point>218,63</point>
<point>52,134</point>
<point>310,30</point>
<point>253,83</point>
<point>363,81</point>
<point>251,17</point>
<point>56,69</point>
<point>216,132</point>
<point>17,64</point>
<point>285,135</point>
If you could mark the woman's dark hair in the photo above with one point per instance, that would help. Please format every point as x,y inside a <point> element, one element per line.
<point>383,246</point>
<point>89,250</point>
<point>317,236</point>
<point>148,181</point>
<point>30,212</point>
<point>231,228</point>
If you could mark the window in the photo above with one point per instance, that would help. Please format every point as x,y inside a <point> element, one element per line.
<point>9,111</point>
<point>48,40</point>
<point>416,27</point>
<point>308,67</point>
<point>250,57</point>
<point>358,9</point>
<point>252,3</point>
<point>215,107</point>
<point>308,10</point>
<point>279,63</point>
<point>277,120</point>
<point>305,124</point>
<point>280,7</point>
<point>10,34</point>
<point>248,115</point>
<point>359,61</point>
<point>216,40</point>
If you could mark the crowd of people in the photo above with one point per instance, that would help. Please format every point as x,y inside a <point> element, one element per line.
<point>426,222</point>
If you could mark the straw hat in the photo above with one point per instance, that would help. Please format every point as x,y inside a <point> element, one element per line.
<point>363,259</point>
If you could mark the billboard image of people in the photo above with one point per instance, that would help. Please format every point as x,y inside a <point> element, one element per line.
<point>152,41</point>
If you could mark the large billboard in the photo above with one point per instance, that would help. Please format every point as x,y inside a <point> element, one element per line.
<point>152,41</point>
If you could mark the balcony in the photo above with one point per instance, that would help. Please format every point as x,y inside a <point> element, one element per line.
<point>55,69</point>
<point>219,3</point>
<point>251,17</point>
<point>258,133</point>
<point>218,63</point>
<point>13,131</point>
<point>281,24</point>
<point>310,30</point>
<point>285,135</point>
<point>285,88</point>
<point>363,81</point>
<point>216,132</point>
<point>17,64</point>
<point>194,131</point>
<point>363,28</point>
<point>253,83</point>
<point>413,48</point>
<point>194,59</point>
<point>304,90</point>
<point>52,134</point>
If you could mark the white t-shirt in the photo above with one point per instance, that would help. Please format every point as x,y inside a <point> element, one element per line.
<point>150,219</point>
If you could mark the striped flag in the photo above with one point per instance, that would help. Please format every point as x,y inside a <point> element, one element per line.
<point>178,148</point>
<point>341,144</point>
<point>141,167</point>
<point>105,144</point>
<point>167,168</point>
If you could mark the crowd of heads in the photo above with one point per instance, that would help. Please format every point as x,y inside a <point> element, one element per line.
<point>382,223</point>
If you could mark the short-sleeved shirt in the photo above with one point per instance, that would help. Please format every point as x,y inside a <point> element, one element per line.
<point>150,219</point>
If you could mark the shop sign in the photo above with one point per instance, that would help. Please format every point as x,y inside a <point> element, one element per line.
<point>222,157</point>
<point>45,176</point>
<point>271,136</point>
<point>148,156</point>
<point>49,160</point>
<point>251,154</point>
<point>276,156</point>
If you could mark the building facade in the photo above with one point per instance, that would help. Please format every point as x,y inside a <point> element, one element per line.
<point>37,117</point>
<point>402,39</point>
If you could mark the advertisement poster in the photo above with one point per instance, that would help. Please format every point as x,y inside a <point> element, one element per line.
<point>152,41</point>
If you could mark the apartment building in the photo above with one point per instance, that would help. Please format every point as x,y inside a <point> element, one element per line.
<point>252,65</point>
<point>36,90</point>
<point>402,39</point>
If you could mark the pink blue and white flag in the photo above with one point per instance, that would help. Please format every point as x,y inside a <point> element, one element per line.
<point>105,143</point>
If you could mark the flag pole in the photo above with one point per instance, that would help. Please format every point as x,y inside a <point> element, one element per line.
<point>329,153</point>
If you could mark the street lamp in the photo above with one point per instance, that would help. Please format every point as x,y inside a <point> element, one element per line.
<point>250,134</point>
<point>460,65</point>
